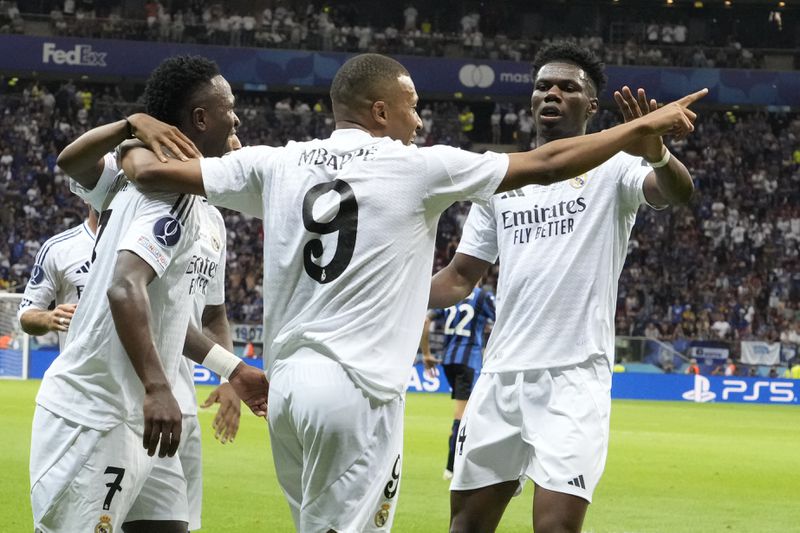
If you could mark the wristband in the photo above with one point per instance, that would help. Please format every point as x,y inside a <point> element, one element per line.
<point>129,127</point>
<point>221,361</point>
<point>664,160</point>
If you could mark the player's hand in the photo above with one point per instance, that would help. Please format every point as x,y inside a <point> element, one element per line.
<point>431,365</point>
<point>251,386</point>
<point>651,147</point>
<point>158,135</point>
<point>60,317</point>
<point>226,423</point>
<point>674,119</point>
<point>162,421</point>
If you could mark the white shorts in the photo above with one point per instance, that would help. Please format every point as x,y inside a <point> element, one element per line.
<point>83,479</point>
<point>547,425</point>
<point>164,493</point>
<point>337,452</point>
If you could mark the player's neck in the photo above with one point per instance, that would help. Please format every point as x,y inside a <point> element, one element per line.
<point>352,124</point>
<point>544,137</point>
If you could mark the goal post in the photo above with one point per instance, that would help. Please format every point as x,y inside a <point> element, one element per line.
<point>14,343</point>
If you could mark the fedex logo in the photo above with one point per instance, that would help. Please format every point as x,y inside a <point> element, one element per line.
<point>751,391</point>
<point>80,55</point>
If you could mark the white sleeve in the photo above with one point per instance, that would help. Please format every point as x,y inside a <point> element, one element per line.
<point>42,287</point>
<point>216,290</point>
<point>96,196</point>
<point>632,172</point>
<point>479,236</point>
<point>455,175</point>
<point>157,234</point>
<point>236,180</point>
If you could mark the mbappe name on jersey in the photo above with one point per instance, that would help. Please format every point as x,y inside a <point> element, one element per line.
<point>320,156</point>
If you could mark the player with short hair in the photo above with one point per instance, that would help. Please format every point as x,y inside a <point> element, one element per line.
<point>464,325</point>
<point>57,279</point>
<point>540,408</point>
<point>361,208</point>
<point>109,392</point>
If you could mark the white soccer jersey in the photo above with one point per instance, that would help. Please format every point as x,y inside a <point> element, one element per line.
<point>562,248</point>
<point>207,287</point>
<point>349,228</point>
<point>92,382</point>
<point>60,272</point>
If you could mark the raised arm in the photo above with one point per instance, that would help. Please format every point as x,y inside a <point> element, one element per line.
<point>82,159</point>
<point>670,182</point>
<point>566,158</point>
<point>455,282</point>
<point>145,169</point>
<point>130,309</point>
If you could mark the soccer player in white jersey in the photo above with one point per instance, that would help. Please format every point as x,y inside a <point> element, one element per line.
<point>209,312</point>
<point>109,392</point>
<point>57,279</point>
<point>540,408</point>
<point>349,224</point>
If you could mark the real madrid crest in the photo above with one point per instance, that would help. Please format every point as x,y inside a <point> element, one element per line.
<point>383,515</point>
<point>215,243</point>
<point>579,181</point>
<point>104,525</point>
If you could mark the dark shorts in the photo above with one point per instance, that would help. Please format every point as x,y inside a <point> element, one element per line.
<point>461,379</point>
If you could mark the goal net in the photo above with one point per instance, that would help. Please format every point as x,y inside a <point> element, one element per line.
<point>14,343</point>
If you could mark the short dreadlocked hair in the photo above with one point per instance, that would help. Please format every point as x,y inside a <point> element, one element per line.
<point>572,53</point>
<point>361,78</point>
<point>172,85</point>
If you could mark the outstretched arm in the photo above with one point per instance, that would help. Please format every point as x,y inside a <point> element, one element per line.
<point>82,159</point>
<point>670,182</point>
<point>455,282</point>
<point>566,158</point>
<point>130,309</point>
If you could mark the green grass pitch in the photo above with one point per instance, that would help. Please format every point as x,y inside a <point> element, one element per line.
<point>672,468</point>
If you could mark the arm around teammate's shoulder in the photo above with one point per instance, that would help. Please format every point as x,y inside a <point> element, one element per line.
<point>143,167</point>
<point>455,282</point>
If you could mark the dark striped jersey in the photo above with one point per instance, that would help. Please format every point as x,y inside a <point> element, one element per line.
<point>464,324</point>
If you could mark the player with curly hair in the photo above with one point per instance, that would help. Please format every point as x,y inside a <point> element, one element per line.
<point>155,264</point>
<point>540,408</point>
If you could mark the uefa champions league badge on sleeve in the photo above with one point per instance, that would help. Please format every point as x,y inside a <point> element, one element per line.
<point>37,274</point>
<point>104,525</point>
<point>167,231</point>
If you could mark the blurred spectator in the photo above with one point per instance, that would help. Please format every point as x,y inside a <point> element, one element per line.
<point>693,367</point>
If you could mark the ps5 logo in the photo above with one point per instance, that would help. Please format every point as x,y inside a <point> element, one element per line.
<point>167,231</point>
<point>751,391</point>
<point>701,392</point>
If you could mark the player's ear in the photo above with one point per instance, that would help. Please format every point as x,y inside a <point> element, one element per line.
<point>379,112</point>
<point>199,119</point>
<point>592,108</point>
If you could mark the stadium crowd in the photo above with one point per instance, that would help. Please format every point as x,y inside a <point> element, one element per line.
<point>619,37</point>
<point>724,267</point>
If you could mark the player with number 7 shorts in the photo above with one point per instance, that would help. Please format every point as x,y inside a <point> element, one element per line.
<point>349,232</point>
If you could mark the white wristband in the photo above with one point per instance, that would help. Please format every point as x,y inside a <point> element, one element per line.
<point>664,160</point>
<point>221,361</point>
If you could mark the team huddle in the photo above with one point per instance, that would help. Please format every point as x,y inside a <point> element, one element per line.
<point>349,224</point>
